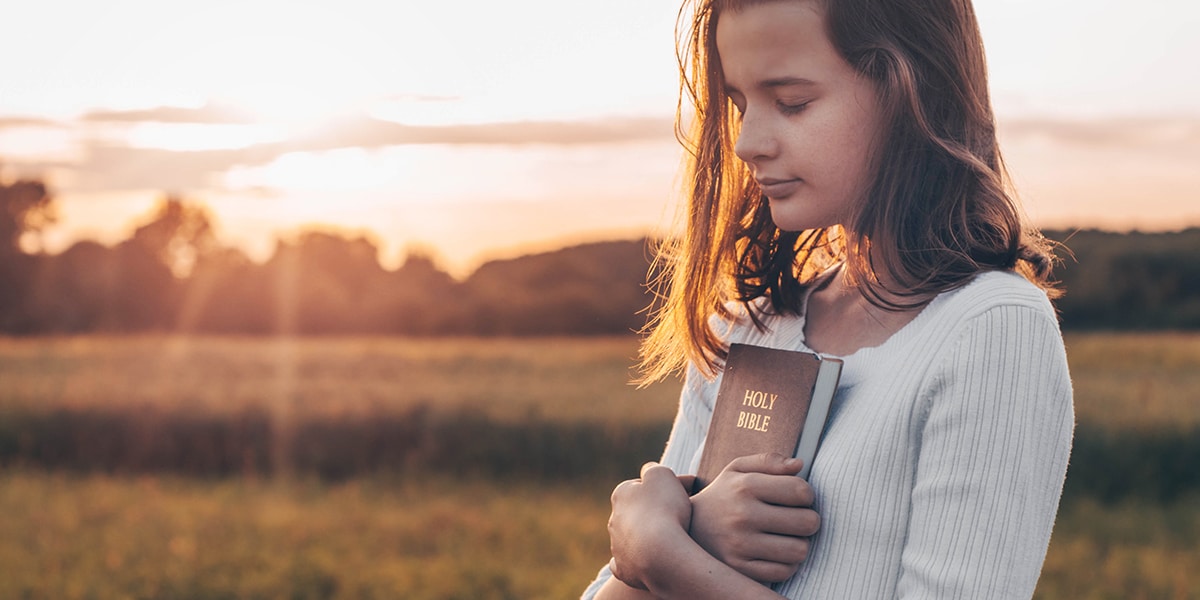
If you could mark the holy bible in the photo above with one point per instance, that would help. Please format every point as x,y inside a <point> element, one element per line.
<point>769,401</point>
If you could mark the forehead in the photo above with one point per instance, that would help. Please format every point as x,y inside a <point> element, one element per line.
<point>777,40</point>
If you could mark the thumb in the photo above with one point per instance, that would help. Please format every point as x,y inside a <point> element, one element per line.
<point>771,463</point>
<point>652,470</point>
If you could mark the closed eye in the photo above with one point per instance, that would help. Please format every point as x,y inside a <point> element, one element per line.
<point>792,108</point>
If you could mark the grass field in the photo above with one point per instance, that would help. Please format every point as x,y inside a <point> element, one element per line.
<point>1122,381</point>
<point>103,537</point>
<point>1136,381</point>
<point>72,534</point>
<point>554,378</point>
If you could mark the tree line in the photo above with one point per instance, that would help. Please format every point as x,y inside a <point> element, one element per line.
<point>172,274</point>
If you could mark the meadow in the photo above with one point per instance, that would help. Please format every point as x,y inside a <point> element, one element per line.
<point>225,467</point>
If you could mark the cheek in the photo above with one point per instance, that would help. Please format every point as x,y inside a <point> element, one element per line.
<point>853,152</point>
<point>839,161</point>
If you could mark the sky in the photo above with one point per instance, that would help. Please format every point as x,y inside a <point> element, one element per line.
<point>482,129</point>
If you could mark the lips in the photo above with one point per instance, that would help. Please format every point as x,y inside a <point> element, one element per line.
<point>778,188</point>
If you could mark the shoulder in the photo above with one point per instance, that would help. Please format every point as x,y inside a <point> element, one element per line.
<point>999,318</point>
<point>996,315</point>
<point>993,291</point>
<point>998,337</point>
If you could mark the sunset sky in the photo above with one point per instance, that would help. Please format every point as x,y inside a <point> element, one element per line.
<point>481,129</point>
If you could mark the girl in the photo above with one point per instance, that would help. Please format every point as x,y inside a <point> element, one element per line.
<point>848,198</point>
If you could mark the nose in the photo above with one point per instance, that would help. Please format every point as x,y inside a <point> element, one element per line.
<point>756,138</point>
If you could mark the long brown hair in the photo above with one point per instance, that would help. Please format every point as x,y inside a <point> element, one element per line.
<point>938,210</point>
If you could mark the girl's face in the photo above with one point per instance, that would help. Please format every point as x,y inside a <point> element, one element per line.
<point>809,121</point>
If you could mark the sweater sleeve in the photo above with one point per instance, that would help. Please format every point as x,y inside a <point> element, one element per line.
<point>687,433</point>
<point>995,439</point>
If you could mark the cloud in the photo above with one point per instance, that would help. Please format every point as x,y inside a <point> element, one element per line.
<point>15,122</point>
<point>108,166</point>
<point>370,132</point>
<point>1128,132</point>
<point>432,98</point>
<point>209,113</point>
<point>367,132</point>
<point>1114,173</point>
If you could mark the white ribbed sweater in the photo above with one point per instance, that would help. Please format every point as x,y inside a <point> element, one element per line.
<point>942,463</point>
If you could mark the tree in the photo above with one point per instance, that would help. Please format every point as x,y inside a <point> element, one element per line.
<point>153,263</point>
<point>177,235</point>
<point>26,206</point>
<point>321,281</point>
<point>419,298</point>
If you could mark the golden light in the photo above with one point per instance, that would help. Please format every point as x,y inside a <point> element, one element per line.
<point>290,72</point>
<point>189,137</point>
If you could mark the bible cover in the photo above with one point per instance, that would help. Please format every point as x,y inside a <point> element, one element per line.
<point>769,401</point>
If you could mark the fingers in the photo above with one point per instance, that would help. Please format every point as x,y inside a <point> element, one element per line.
<point>781,487</point>
<point>771,464</point>
<point>788,521</point>
<point>623,488</point>
<point>784,491</point>
<point>772,519</point>
<point>778,558</point>
<point>784,549</point>
<point>654,475</point>
<point>654,472</point>
<point>650,466</point>
<point>769,572</point>
<point>649,514</point>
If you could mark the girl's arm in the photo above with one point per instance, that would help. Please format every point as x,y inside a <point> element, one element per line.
<point>688,430</point>
<point>993,456</point>
<point>651,547</point>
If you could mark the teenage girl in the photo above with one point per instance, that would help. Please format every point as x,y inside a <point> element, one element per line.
<point>848,198</point>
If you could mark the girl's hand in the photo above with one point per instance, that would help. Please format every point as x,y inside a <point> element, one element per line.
<point>755,517</point>
<point>650,518</point>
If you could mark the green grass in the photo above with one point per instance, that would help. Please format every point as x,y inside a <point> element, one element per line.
<point>101,537</point>
<point>1139,382</point>
<point>105,537</point>
<point>434,534</point>
<point>1131,551</point>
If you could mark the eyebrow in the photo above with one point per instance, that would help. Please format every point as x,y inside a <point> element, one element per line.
<point>778,82</point>
<point>786,81</point>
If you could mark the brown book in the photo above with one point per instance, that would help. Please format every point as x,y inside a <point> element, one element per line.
<point>769,401</point>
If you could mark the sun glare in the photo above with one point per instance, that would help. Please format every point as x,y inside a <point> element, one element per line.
<point>483,123</point>
<point>187,137</point>
<point>296,108</point>
<point>37,142</point>
<point>345,169</point>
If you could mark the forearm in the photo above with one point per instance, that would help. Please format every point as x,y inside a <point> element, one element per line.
<point>685,570</point>
<point>615,589</point>
<point>648,532</point>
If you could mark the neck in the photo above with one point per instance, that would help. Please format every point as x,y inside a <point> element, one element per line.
<point>883,287</point>
<point>840,319</point>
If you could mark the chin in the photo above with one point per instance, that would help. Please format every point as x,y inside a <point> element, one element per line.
<point>787,218</point>
<point>794,223</point>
